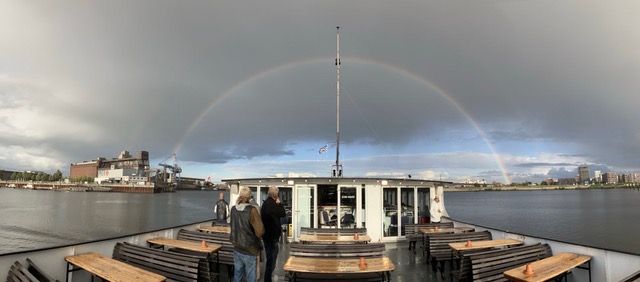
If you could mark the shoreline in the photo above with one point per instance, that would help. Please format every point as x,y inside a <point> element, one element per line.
<point>536,188</point>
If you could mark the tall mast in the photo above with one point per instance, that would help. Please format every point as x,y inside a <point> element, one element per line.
<point>337,171</point>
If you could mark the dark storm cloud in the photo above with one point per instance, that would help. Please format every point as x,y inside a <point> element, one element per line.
<point>91,79</point>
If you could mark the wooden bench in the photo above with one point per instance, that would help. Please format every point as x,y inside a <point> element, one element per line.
<point>438,250</point>
<point>372,250</point>
<point>18,273</point>
<point>333,231</point>
<point>489,265</point>
<point>631,278</point>
<point>225,255</point>
<point>174,266</point>
<point>412,231</point>
<point>38,272</point>
<point>337,250</point>
<point>31,272</point>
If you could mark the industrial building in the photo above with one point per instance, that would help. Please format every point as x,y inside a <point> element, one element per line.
<point>123,169</point>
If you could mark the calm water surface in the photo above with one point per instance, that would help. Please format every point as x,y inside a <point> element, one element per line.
<point>600,218</point>
<point>36,219</point>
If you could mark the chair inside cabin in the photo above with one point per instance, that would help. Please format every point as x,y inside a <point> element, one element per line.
<point>347,220</point>
<point>327,221</point>
<point>393,226</point>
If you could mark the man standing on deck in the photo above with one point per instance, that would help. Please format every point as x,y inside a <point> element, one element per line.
<point>271,212</point>
<point>221,209</point>
<point>436,210</point>
<point>246,231</point>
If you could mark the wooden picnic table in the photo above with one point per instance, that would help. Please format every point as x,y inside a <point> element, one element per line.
<point>445,230</point>
<point>550,267</point>
<point>344,266</point>
<point>109,269</point>
<point>215,229</point>
<point>186,245</point>
<point>333,239</point>
<point>484,244</point>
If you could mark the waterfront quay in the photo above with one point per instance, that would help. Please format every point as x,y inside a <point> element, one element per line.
<point>81,187</point>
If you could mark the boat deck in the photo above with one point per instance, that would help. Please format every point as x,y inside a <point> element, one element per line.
<point>409,267</point>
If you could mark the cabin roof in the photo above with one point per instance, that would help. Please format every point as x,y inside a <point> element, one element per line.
<point>336,180</point>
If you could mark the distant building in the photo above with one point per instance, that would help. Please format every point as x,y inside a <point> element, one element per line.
<point>609,178</point>
<point>125,168</point>
<point>566,181</point>
<point>583,175</point>
<point>597,175</point>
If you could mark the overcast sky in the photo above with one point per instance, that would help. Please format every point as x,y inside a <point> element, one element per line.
<point>453,90</point>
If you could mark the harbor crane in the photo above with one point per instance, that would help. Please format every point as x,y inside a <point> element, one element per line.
<point>174,176</point>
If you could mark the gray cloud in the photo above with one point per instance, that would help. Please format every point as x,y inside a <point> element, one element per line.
<point>99,77</point>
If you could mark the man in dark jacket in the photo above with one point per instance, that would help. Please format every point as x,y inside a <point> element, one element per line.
<point>272,210</point>
<point>221,209</point>
<point>246,231</point>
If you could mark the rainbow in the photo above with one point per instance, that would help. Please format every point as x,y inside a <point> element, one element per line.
<point>398,70</point>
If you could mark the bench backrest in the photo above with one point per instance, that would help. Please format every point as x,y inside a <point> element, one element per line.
<point>337,250</point>
<point>225,253</point>
<point>414,228</point>
<point>38,272</point>
<point>174,266</point>
<point>438,244</point>
<point>332,231</point>
<point>490,265</point>
<point>17,272</point>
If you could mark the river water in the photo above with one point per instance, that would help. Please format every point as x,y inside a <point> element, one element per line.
<point>36,219</point>
<point>605,218</point>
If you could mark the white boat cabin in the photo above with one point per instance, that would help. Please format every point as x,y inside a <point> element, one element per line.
<point>383,206</point>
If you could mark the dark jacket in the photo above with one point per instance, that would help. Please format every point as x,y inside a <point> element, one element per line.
<point>221,209</point>
<point>271,213</point>
<point>246,229</point>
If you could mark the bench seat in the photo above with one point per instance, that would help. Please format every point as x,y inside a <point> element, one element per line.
<point>18,273</point>
<point>333,231</point>
<point>38,272</point>
<point>489,265</point>
<point>336,251</point>
<point>412,231</point>
<point>225,254</point>
<point>439,251</point>
<point>174,266</point>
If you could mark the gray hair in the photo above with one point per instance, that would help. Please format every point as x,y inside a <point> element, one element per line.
<point>273,191</point>
<point>244,195</point>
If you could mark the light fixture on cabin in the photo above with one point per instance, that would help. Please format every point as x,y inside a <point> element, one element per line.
<point>290,182</point>
<point>384,182</point>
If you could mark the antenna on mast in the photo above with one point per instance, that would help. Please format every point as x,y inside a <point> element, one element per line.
<point>337,168</point>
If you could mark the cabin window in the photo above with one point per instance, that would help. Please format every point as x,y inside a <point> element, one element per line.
<point>328,204</point>
<point>347,207</point>
<point>264,193</point>
<point>406,208</point>
<point>362,217</point>
<point>423,205</point>
<point>390,202</point>
<point>285,198</point>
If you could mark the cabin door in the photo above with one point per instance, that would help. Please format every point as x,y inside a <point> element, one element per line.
<point>303,208</point>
